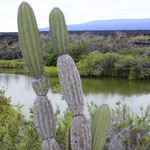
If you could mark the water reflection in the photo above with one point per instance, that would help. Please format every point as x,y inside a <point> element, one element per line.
<point>112,86</point>
<point>104,90</point>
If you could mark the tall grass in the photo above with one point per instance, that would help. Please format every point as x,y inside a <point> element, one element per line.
<point>19,64</point>
<point>16,63</point>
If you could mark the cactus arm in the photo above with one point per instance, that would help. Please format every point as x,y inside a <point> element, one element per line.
<point>100,126</point>
<point>58,30</point>
<point>30,39</point>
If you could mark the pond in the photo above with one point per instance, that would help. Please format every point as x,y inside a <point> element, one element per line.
<point>134,93</point>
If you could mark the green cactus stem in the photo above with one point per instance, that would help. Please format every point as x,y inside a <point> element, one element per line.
<point>58,30</point>
<point>29,39</point>
<point>100,127</point>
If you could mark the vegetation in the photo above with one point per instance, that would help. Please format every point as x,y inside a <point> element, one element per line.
<point>122,48</point>
<point>131,130</point>
<point>15,63</point>
<point>18,65</point>
<point>113,64</point>
<point>50,71</point>
<point>16,133</point>
<point>9,48</point>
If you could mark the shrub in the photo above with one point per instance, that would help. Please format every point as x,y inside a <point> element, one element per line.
<point>15,131</point>
<point>50,71</point>
<point>92,65</point>
<point>112,64</point>
<point>129,130</point>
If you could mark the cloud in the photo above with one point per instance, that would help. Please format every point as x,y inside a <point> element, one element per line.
<point>76,11</point>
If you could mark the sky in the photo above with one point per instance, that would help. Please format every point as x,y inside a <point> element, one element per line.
<point>75,11</point>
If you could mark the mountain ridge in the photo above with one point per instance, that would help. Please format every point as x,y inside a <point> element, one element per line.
<point>113,24</point>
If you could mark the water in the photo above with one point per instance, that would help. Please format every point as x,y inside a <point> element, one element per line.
<point>135,93</point>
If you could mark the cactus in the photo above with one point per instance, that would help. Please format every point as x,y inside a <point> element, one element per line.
<point>44,117</point>
<point>30,40</point>
<point>58,30</point>
<point>40,86</point>
<point>100,126</point>
<point>70,84</point>
<point>50,144</point>
<point>80,134</point>
<point>32,52</point>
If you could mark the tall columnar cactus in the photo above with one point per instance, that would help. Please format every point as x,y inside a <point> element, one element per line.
<point>100,127</point>
<point>31,47</point>
<point>70,81</point>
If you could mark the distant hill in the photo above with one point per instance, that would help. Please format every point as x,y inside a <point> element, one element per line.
<point>115,24</point>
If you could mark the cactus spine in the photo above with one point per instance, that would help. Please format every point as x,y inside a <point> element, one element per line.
<point>100,126</point>
<point>31,47</point>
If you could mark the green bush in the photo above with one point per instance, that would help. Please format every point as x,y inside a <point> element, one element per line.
<point>112,64</point>
<point>9,49</point>
<point>78,51</point>
<point>16,133</point>
<point>50,71</point>
<point>91,65</point>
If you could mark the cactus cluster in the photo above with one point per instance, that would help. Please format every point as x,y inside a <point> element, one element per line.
<point>81,134</point>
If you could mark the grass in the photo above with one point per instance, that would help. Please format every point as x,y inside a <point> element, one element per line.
<point>16,63</point>
<point>12,66</point>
